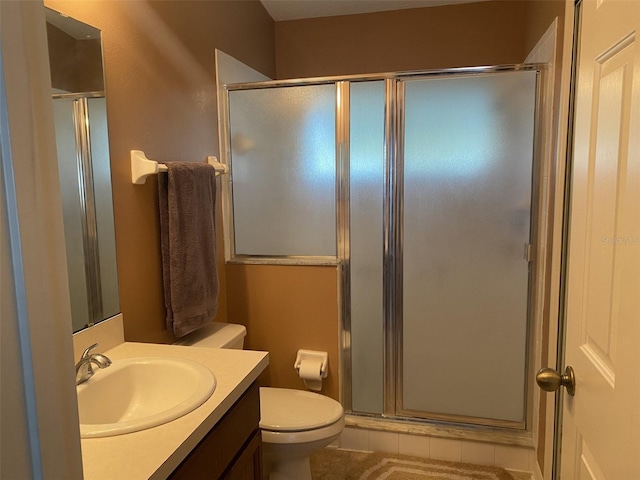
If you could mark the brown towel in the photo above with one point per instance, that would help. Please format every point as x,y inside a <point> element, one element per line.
<point>187,195</point>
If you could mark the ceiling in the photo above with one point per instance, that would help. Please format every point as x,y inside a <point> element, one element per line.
<point>297,9</point>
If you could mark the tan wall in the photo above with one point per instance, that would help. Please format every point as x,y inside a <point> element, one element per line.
<point>539,16</point>
<point>286,308</point>
<point>485,33</point>
<point>161,98</point>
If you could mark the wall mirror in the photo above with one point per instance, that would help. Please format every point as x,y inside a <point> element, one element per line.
<point>79,106</point>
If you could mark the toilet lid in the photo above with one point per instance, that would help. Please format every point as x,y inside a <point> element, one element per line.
<point>283,409</point>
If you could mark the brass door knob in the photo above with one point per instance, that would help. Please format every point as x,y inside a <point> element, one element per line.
<point>550,380</point>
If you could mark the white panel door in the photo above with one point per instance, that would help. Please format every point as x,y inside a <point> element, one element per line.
<point>601,423</point>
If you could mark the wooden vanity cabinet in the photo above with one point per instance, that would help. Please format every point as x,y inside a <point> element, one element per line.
<point>232,450</point>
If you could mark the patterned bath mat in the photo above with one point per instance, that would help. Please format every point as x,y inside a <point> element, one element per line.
<point>336,464</point>
<point>384,466</point>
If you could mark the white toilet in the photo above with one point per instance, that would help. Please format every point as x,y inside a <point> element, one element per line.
<point>294,423</point>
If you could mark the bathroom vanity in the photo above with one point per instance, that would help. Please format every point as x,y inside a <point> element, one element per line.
<point>219,439</point>
<point>232,449</point>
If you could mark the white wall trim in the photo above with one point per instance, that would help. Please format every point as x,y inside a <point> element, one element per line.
<point>544,52</point>
<point>39,212</point>
<point>560,152</point>
<point>18,371</point>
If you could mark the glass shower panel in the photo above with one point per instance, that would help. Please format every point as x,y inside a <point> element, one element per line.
<point>283,157</point>
<point>468,153</point>
<point>367,167</point>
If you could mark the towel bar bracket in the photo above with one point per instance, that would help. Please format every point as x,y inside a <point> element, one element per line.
<point>142,167</point>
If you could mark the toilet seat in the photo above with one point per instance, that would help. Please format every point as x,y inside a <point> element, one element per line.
<point>333,431</point>
<point>284,410</point>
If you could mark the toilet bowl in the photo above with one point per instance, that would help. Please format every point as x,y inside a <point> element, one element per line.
<point>294,423</point>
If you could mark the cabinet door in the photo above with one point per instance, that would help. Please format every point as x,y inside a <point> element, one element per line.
<point>248,465</point>
<point>226,443</point>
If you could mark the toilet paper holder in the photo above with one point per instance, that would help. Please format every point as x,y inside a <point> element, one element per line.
<point>314,356</point>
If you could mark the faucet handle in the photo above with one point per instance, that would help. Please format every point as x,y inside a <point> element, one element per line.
<point>85,354</point>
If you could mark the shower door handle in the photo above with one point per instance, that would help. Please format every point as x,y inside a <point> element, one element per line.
<point>550,380</point>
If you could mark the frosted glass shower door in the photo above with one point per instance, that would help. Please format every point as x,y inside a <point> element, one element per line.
<point>468,154</point>
<point>366,205</point>
<point>283,158</point>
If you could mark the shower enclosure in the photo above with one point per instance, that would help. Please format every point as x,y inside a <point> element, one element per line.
<point>422,187</point>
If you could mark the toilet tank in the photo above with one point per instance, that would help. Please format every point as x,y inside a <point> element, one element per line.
<point>216,335</point>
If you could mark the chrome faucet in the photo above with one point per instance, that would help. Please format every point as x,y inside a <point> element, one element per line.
<point>84,368</point>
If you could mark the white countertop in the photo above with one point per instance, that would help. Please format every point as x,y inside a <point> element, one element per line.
<point>156,452</point>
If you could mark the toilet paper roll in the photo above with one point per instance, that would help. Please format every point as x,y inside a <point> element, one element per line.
<point>310,373</point>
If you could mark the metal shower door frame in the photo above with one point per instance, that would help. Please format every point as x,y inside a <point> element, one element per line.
<point>392,234</point>
<point>394,256</point>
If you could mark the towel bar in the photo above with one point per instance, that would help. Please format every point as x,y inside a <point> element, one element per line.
<point>142,167</point>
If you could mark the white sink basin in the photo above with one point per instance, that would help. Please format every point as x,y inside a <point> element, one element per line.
<point>139,393</point>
